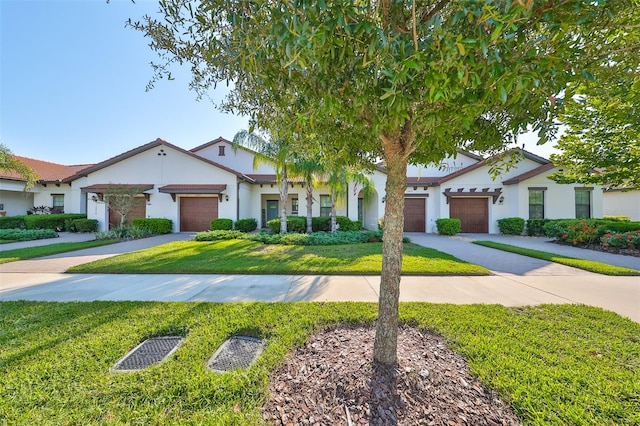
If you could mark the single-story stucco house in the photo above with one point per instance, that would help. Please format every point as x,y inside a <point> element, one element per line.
<point>213,180</point>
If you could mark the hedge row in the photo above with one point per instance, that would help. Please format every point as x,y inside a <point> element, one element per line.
<point>298,224</point>
<point>156,226</point>
<point>314,239</point>
<point>59,222</point>
<point>243,225</point>
<point>26,234</point>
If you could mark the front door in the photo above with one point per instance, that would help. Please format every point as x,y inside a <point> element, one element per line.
<point>272,210</point>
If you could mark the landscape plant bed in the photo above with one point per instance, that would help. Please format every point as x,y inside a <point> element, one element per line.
<point>603,249</point>
<point>551,364</point>
<point>49,249</point>
<point>250,257</point>
<point>587,265</point>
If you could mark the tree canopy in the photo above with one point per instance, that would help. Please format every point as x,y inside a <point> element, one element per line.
<point>602,141</point>
<point>411,81</point>
<point>9,163</point>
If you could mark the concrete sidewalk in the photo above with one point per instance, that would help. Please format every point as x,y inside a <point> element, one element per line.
<point>517,281</point>
<point>618,294</point>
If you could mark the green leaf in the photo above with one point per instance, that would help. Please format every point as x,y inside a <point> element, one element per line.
<point>503,94</point>
<point>461,48</point>
<point>497,31</point>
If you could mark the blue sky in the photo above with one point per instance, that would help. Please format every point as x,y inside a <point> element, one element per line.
<point>73,78</point>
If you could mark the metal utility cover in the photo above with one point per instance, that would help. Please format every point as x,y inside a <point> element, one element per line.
<point>236,352</point>
<point>149,352</point>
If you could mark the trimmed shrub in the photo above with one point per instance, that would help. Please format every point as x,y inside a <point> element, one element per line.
<point>27,234</point>
<point>448,226</point>
<point>156,225</point>
<point>617,218</point>
<point>581,233</point>
<point>12,222</point>
<point>51,221</point>
<point>535,227</point>
<point>321,223</point>
<point>124,233</point>
<point>218,235</point>
<point>84,225</point>
<point>246,225</point>
<point>629,239</point>
<point>294,224</point>
<point>221,225</point>
<point>511,225</point>
<point>618,227</point>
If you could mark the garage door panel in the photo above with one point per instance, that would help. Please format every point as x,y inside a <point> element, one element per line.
<point>472,212</point>
<point>414,214</point>
<point>196,213</point>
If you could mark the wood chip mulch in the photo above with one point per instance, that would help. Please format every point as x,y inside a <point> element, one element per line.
<point>331,381</point>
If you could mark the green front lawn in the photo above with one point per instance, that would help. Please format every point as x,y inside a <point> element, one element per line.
<point>560,364</point>
<point>587,265</point>
<point>250,257</point>
<point>49,249</point>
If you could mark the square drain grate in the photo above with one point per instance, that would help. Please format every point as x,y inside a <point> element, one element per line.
<point>149,352</point>
<point>236,352</point>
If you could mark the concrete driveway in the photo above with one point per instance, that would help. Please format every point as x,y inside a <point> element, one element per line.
<point>516,281</point>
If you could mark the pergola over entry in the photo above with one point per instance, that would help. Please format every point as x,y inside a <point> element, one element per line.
<point>101,188</point>
<point>192,189</point>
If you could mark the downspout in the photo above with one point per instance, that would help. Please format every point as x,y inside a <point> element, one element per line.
<point>238,200</point>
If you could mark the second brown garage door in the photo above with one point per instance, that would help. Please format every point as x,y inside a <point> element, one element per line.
<point>472,212</point>
<point>196,213</point>
<point>414,214</point>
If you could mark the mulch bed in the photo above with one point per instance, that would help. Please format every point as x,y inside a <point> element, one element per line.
<point>601,248</point>
<point>331,381</point>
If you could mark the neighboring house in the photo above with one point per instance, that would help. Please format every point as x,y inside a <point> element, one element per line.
<point>622,203</point>
<point>214,180</point>
<point>52,190</point>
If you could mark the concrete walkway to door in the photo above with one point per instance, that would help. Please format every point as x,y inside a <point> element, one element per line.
<point>501,262</point>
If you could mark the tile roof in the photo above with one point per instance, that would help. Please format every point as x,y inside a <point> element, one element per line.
<point>529,174</point>
<point>46,171</point>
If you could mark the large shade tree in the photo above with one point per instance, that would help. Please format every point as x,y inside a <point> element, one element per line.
<point>417,80</point>
<point>601,144</point>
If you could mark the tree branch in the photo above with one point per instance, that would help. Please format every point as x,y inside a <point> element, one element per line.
<point>438,7</point>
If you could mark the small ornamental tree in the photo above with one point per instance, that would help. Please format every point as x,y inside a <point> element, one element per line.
<point>123,199</point>
<point>409,82</point>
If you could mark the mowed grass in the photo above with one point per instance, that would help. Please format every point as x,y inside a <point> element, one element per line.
<point>49,249</point>
<point>555,364</point>
<point>587,265</point>
<point>250,257</point>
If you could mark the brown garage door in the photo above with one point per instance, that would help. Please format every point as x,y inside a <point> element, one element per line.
<point>196,213</point>
<point>472,212</point>
<point>139,211</point>
<point>414,214</point>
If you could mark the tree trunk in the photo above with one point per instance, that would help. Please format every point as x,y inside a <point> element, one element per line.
<point>284,195</point>
<point>309,208</point>
<point>397,149</point>
<point>334,228</point>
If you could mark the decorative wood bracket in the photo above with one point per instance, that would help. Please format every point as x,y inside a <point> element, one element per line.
<point>472,193</point>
